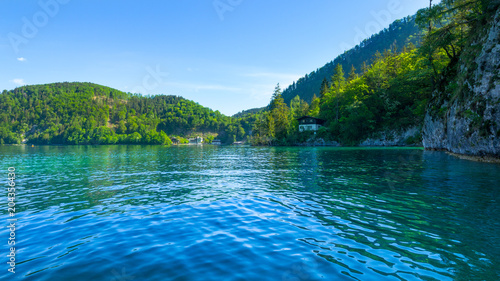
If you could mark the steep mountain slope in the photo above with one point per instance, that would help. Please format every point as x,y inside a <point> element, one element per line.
<point>464,115</point>
<point>399,34</point>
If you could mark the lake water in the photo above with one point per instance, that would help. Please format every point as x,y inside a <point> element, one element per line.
<point>241,213</point>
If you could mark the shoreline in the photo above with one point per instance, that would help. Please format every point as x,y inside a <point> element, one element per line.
<point>484,159</point>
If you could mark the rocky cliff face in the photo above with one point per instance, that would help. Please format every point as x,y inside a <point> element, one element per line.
<point>464,118</point>
<point>408,137</point>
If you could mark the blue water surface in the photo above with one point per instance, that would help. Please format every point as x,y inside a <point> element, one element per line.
<point>244,213</point>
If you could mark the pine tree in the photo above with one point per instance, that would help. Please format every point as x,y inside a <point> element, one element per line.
<point>324,88</point>
<point>314,107</point>
<point>364,67</point>
<point>276,98</point>
<point>338,83</point>
<point>280,114</point>
<point>352,74</point>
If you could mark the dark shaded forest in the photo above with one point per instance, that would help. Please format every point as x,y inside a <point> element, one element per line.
<point>398,35</point>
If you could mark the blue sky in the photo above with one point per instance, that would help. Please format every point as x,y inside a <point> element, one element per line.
<point>224,54</point>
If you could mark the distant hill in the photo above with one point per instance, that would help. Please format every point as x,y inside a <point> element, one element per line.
<point>247,112</point>
<point>397,36</point>
<point>86,113</point>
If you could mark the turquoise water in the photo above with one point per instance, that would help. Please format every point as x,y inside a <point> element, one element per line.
<point>241,213</point>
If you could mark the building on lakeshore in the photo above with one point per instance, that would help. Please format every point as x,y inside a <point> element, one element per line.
<point>197,140</point>
<point>308,123</point>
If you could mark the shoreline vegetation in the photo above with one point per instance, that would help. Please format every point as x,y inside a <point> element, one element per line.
<point>383,102</point>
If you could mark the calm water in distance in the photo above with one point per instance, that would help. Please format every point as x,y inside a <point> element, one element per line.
<point>127,213</point>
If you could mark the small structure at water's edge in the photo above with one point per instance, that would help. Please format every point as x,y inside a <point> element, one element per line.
<point>216,142</point>
<point>308,123</point>
<point>197,140</point>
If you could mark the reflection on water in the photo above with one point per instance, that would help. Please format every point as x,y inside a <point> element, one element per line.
<point>242,213</point>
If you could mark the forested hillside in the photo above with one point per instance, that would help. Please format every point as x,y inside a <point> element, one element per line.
<point>447,77</point>
<point>399,88</point>
<point>249,112</point>
<point>399,34</point>
<point>85,113</point>
<point>392,94</point>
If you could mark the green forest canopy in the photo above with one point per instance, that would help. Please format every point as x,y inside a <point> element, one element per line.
<point>390,92</point>
<point>399,34</point>
<point>86,113</point>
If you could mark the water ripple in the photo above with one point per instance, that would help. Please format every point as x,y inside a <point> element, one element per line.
<point>239,213</point>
